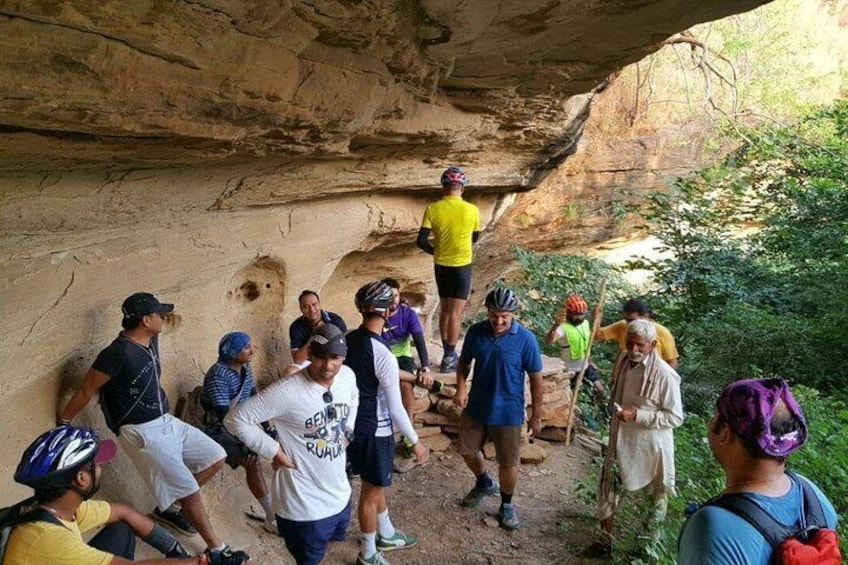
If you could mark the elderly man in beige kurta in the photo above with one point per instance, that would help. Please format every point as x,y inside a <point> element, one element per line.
<point>646,409</point>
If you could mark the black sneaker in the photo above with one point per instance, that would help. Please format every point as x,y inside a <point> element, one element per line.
<point>227,556</point>
<point>174,520</point>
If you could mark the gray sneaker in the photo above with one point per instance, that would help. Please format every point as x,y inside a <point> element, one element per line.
<point>398,541</point>
<point>508,519</point>
<point>376,559</point>
<point>476,495</point>
<point>449,363</point>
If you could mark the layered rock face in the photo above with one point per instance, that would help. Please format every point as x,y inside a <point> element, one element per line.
<point>226,155</point>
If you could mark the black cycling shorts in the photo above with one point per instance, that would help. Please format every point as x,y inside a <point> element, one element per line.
<point>453,282</point>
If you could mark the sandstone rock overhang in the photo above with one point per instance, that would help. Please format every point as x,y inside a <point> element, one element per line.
<point>358,95</point>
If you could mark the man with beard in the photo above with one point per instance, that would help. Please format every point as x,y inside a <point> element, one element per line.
<point>315,410</point>
<point>63,467</point>
<point>646,407</point>
<point>226,384</point>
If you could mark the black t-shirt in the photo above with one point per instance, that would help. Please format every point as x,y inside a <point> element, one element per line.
<point>133,394</point>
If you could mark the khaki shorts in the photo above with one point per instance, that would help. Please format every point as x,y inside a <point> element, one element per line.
<point>167,453</point>
<point>473,436</point>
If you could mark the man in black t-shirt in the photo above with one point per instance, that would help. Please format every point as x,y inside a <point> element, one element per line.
<point>173,458</point>
<point>313,318</point>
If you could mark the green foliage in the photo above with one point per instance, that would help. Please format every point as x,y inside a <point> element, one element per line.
<point>754,285</point>
<point>755,281</point>
<point>549,278</point>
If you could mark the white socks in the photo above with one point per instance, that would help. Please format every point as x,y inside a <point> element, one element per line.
<point>369,545</point>
<point>384,525</point>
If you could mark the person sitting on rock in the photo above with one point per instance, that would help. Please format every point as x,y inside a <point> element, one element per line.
<point>313,317</point>
<point>636,309</point>
<point>63,467</point>
<point>402,328</point>
<point>227,383</point>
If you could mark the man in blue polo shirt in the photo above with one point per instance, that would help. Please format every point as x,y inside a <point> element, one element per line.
<point>313,318</point>
<point>502,351</point>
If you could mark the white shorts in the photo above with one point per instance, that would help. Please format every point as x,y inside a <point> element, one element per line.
<point>167,453</point>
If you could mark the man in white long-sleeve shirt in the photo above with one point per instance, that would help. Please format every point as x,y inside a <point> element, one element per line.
<point>314,410</point>
<point>372,450</point>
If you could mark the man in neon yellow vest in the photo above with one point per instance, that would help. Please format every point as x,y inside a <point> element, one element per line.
<point>572,335</point>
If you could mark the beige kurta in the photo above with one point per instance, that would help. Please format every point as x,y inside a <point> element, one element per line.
<point>645,448</point>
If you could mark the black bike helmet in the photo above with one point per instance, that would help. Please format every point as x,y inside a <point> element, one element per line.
<point>54,458</point>
<point>502,299</point>
<point>374,297</point>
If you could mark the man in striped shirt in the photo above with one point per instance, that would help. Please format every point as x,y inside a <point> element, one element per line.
<point>227,383</point>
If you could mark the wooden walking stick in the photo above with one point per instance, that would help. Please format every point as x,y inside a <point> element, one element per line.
<point>605,484</point>
<point>596,323</point>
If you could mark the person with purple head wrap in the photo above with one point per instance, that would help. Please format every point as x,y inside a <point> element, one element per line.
<point>756,425</point>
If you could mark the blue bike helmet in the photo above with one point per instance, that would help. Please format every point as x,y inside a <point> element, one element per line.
<point>454,175</point>
<point>54,458</point>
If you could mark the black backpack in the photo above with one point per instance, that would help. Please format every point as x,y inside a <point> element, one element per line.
<point>21,513</point>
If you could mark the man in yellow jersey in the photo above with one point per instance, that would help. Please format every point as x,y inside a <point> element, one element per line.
<point>635,309</point>
<point>455,225</point>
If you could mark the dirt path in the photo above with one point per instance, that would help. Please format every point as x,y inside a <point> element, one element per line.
<point>425,502</point>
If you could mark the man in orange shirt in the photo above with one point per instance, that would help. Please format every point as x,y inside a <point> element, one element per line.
<point>636,309</point>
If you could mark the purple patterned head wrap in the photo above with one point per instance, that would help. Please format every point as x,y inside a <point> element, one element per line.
<point>231,345</point>
<point>748,407</point>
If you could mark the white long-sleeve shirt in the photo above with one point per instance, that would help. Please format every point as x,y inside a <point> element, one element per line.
<point>312,433</point>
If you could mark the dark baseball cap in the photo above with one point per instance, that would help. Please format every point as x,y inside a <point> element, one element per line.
<point>328,340</point>
<point>143,303</point>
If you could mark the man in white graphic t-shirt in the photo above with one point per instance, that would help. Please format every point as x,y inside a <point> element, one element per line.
<point>314,410</point>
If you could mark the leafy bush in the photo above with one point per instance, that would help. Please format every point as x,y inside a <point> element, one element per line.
<point>755,281</point>
<point>549,278</point>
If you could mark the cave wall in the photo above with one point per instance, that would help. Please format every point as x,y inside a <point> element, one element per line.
<point>227,154</point>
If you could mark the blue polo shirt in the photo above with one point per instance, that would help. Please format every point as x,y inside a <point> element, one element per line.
<point>496,397</point>
<point>301,330</point>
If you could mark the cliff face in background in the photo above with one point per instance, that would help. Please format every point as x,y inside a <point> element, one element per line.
<point>227,154</point>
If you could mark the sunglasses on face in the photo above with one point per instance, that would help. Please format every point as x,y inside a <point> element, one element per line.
<point>330,409</point>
